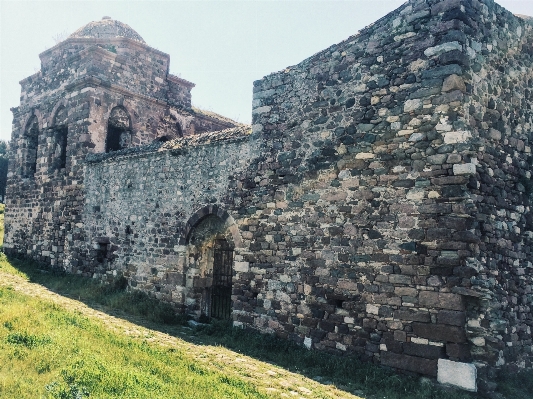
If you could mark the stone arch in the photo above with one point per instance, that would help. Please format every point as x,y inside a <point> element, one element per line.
<point>53,115</point>
<point>211,239</point>
<point>59,133</point>
<point>34,113</point>
<point>199,215</point>
<point>130,111</point>
<point>119,132</point>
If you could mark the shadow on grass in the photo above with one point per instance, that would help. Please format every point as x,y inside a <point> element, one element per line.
<point>345,372</point>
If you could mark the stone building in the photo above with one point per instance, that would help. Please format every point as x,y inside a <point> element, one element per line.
<point>380,205</point>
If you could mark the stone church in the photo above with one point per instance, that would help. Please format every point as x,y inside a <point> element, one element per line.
<point>379,205</point>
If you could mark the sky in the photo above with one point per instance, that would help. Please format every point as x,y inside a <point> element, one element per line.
<point>222,46</point>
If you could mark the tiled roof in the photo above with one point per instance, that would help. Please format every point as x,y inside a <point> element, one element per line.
<point>214,115</point>
<point>193,140</point>
<point>207,138</point>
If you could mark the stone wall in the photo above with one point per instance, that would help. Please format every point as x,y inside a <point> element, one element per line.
<point>121,61</point>
<point>500,118</point>
<point>380,206</point>
<point>138,204</point>
<point>385,140</point>
<point>42,208</point>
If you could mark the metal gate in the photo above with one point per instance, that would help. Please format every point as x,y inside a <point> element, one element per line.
<point>222,273</point>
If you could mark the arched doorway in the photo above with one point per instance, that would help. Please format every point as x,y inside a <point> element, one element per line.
<point>209,268</point>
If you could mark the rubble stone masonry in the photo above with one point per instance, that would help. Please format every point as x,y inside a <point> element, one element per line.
<point>380,204</point>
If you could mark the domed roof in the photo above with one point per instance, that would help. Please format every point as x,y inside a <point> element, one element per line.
<point>107,28</point>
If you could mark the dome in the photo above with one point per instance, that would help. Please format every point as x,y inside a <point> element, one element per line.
<point>107,28</point>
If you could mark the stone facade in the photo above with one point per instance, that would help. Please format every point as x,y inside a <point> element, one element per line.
<point>103,79</point>
<point>378,206</point>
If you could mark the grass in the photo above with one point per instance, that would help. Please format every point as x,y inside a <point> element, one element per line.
<point>46,351</point>
<point>115,296</point>
<point>2,209</point>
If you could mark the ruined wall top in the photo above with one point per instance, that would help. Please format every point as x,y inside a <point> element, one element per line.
<point>107,28</point>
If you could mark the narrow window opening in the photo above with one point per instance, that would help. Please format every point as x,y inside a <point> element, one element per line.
<point>59,139</point>
<point>336,301</point>
<point>60,150</point>
<point>32,144</point>
<point>101,252</point>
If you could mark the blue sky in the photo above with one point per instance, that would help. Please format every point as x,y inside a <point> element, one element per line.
<point>222,46</point>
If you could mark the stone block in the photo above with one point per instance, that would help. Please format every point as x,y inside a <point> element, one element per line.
<point>454,57</point>
<point>440,332</point>
<point>399,279</point>
<point>400,336</point>
<point>442,71</point>
<point>403,291</point>
<point>464,169</point>
<point>174,278</point>
<point>454,158</point>
<point>412,105</point>
<point>457,137</point>
<point>425,351</point>
<point>451,317</point>
<point>372,309</point>
<point>242,267</point>
<point>437,234</point>
<point>409,363</point>
<point>449,180</point>
<point>441,300</point>
<point>456,223</point>
<point>458,351</point>
<point>412,315</point>
<point>466,236</point>
<point>435,207</point>
<point>445,5</point>
<point>466,292</point>
<point>261,110</point>
<point>495,134</point>
<point>454,82</point>
<point>442,48</point>
<point>392,346</point>
<point>364,155</point>
<point>457,374</point>
<point>437,159</point>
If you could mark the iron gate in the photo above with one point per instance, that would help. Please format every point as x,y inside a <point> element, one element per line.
<point>222,273</point>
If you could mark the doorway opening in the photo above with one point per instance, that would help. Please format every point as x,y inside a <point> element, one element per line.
<point>210,269</point>
<point>222,275</point>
